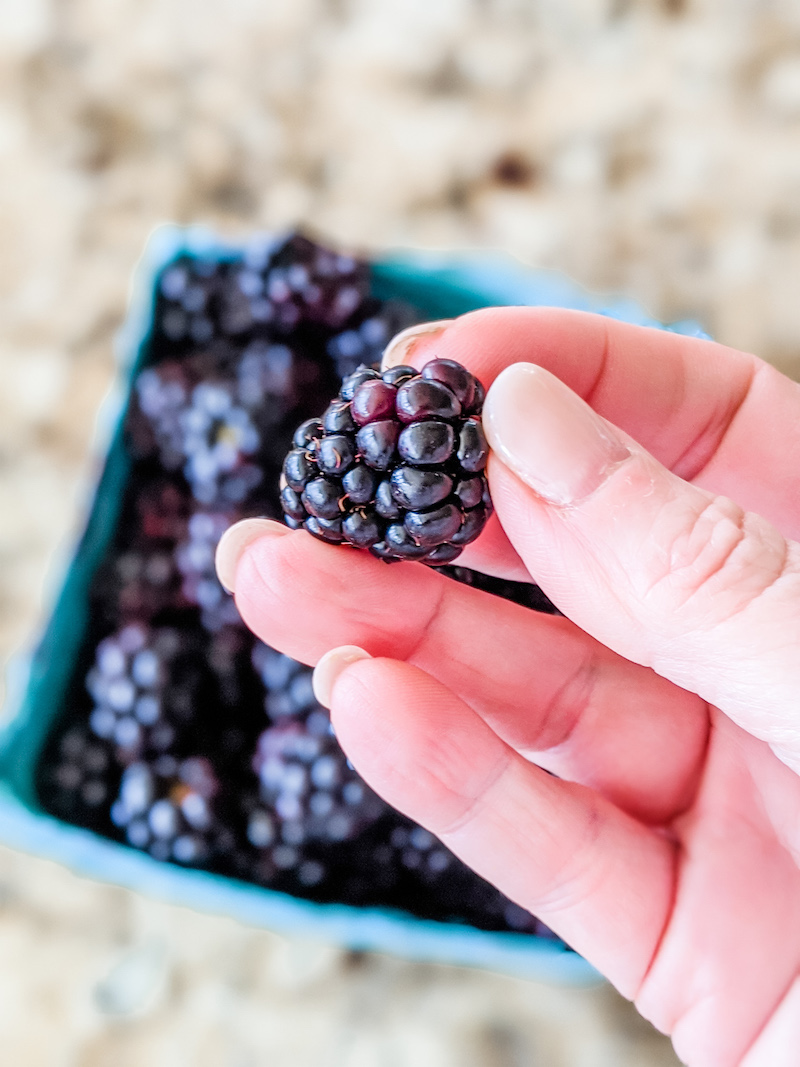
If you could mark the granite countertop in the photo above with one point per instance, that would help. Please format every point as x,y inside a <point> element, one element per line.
<point>645,147</point>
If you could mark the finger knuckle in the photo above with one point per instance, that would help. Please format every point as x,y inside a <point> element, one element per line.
<point>719,559</point>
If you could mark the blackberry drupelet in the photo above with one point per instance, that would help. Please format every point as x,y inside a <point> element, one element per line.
<point>395,465</point>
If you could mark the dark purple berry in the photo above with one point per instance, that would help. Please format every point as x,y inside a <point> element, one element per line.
<point>426,443</point>
<point>360,484</point>
<point>400,460</point>
<point>167,808</point>
<point>385,503</point>
<point>141,686</point>
<point>421,399</point>
<point>398,375</point>
<point>362,529</point>
<point>457,379</point>
<point>373,400</point>
<point>377,443</point>
<point>321,498</point>
<point>298,468</point>
<point>432,528</point>
<point>413,488</point>
<point>338,418</point>
<point>194,557</point>
<point>335,454</point>
<point>308,791</point>
<point>473,449</point>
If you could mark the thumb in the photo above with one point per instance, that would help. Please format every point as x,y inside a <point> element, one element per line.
<point>663,572</point>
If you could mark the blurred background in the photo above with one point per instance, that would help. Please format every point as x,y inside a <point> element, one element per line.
<point>648,148</point>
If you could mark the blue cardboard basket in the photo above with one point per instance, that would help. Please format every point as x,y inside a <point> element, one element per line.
<point>443,286</point>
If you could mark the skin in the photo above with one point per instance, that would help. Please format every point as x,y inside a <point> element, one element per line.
<point>667,850</point>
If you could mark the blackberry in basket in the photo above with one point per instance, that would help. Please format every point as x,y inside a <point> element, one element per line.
<point>194,559</point>
<point>309,786</point>
<point>363,342</point>
<point>140,582</point>
<point>288,691</point>
<point>81,777</point>
<point>306,281</point>
<point>189,291</point>
<point>144,685</point>
<point>166,807</point>
<point>394,465</point>
<point>211,421</point>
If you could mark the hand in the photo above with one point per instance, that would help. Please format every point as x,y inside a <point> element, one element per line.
<point>667,850</point>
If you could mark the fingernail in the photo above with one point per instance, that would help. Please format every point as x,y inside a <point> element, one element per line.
<point>548,435</point>
<point>236,540</point>
<point>330,667</point>
<point>399,349</point>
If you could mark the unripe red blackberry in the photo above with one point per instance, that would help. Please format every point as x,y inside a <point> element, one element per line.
<point>395,465</point>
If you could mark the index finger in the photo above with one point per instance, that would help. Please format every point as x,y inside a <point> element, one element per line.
<point>715,416</point>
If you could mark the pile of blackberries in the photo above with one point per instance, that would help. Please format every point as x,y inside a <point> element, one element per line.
<point>181,734</point>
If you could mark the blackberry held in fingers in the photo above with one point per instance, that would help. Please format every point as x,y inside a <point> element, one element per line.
<point>396,465</point>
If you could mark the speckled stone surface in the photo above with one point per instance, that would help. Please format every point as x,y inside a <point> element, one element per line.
<point>645,147</point>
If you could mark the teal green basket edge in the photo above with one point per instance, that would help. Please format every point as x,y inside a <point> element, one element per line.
<point>368,929</point>
<point>444,285</point>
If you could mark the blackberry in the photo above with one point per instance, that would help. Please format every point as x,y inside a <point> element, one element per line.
<point>214,416</point>
<point>308,789</point>
<point>194,559</point>
<point>363,343</point>
<point>142,684</point>
<point>188,293</point>
<point>138,583</point>
<point>304,281</point>
<point>166,807</point>
<point>81,777</point>
<point>288,691</point>
<point>395,465</point>
<point>139,579</point>
<point>416,849</point>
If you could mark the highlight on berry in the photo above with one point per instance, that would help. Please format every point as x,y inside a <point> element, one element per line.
<point>395,465</point>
